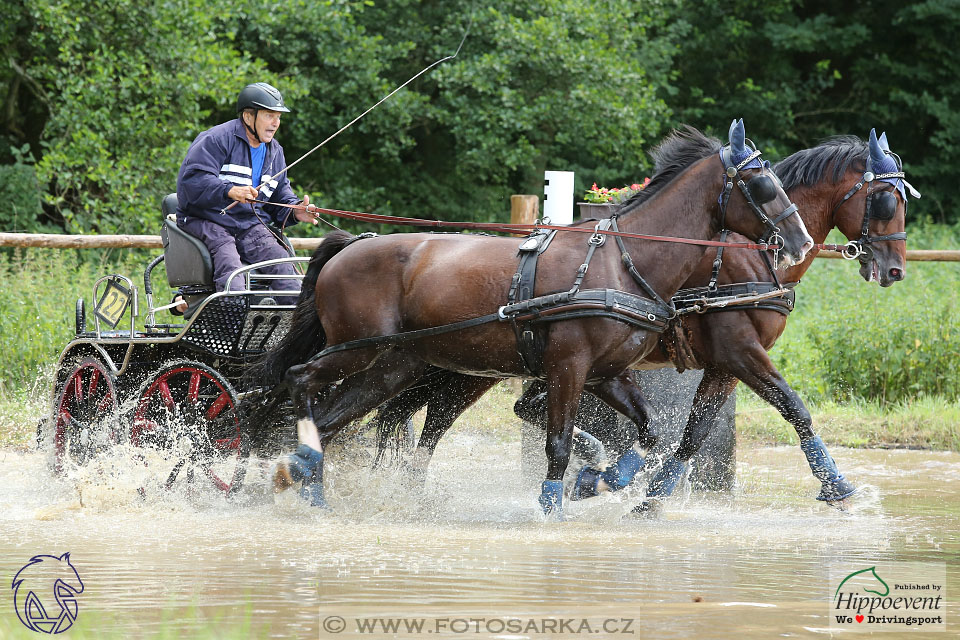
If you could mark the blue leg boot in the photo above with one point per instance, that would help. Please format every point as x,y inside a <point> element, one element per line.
<point>305,466</point>
<point>617,476</point>
<point>835,486</point>
<point>551,497</point>
<point>663,483</point>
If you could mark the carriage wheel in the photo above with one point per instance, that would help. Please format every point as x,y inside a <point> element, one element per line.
<point>86,413</point>
<point>187,405</point>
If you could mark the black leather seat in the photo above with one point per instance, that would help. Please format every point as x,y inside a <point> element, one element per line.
<point>187,259</point>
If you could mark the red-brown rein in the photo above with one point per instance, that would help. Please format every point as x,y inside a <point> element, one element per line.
<point>512,228</point>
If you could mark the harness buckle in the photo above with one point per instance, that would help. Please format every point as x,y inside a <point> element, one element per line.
<point>597,238</point>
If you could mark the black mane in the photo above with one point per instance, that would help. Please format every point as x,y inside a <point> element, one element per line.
<point>808,167</point>
<point>680,149</point>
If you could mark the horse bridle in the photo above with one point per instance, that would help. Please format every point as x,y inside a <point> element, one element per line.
<point>860,248</point>
<point>758,191</point>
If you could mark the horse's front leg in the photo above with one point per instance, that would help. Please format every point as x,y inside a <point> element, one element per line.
<point>564,386</point>
<point>624,395</point>
<point>756,370</point>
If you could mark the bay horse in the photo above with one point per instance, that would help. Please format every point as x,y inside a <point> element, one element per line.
<point>859,189</point>
<point>845,183</point>
<point>388,308</point>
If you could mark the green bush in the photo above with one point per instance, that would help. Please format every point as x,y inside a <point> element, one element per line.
<point>20,194</point>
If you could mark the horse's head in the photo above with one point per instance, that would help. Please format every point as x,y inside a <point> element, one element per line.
<point>874,218</point>
<point>759,207</point>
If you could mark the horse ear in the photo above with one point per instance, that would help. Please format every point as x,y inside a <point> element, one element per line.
<point>876,151</point>
<point>883,141</point>
<point>737,137</point>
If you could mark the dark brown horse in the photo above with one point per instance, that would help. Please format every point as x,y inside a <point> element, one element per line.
<point>730,344</point>
<point>413,283</point>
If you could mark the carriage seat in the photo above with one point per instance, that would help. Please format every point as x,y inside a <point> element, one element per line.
<point>187,259</point>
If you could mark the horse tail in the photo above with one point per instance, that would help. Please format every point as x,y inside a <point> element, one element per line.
<point>305,337</point>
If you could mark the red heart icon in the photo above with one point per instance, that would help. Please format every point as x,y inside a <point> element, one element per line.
<point>859,618</point>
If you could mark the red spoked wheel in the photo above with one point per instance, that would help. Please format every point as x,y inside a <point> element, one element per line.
<point>187,406</point>
<point>85,419</point>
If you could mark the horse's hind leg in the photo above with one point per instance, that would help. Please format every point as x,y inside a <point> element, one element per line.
<point>375,379</point>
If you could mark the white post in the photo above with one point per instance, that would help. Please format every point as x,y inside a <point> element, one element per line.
<point>558,196</point>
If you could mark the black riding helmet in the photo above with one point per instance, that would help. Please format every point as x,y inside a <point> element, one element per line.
<point>259,95</point>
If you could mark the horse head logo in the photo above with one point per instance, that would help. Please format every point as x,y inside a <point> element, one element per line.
<point>41,583</point>
<point>867,577</point>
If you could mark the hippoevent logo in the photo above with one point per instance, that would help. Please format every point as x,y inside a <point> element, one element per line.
<point>889,597</point>
<point>45,594</point>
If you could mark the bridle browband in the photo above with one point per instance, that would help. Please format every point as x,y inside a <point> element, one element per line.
<point>860,248</point>
<point>731,176</point>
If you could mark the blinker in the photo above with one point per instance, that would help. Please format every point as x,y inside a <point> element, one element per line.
<point>762,189</point>
<point>883,205</point>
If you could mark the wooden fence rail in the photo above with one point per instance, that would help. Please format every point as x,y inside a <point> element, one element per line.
<point>64,241</point>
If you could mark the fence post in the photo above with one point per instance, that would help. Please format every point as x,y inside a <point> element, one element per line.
<point>524,209</point>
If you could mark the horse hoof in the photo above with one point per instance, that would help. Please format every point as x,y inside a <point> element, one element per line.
<point>283,477</point>
<point>305,465</point>
<point>837,491</point>
<point>586,485</point>
<point>648,509</point>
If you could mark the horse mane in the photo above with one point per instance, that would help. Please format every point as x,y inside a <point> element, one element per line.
<point>808,167</point>
<point>675,153</point>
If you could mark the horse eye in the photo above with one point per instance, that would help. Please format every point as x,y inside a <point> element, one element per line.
<point>762,189</point>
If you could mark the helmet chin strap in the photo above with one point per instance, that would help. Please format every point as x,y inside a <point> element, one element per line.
<point>252,129</point>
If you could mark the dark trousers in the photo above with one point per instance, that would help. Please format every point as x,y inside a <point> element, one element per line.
<point>229,252</point>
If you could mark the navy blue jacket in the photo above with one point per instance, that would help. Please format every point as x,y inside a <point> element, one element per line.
<point>217,160</point>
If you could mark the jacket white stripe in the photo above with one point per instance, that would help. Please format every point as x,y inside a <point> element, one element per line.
<point>237,168</point>
<point>236,180</point>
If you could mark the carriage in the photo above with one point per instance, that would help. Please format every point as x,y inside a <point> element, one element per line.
<point>126,377</point>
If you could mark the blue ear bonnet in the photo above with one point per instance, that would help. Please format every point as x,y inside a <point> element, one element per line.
<point>739,151</point>
<point>882,160</point>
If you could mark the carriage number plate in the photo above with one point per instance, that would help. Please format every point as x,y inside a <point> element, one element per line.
<point>113,303</point>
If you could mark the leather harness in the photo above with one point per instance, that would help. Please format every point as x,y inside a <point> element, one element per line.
<point>526,313</point>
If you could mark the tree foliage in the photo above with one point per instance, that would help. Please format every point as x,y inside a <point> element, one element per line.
<point>101,99</point>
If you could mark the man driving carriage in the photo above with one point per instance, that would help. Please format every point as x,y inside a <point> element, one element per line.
<point>235,163</point>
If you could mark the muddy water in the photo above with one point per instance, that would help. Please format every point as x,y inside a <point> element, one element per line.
<point>472,546</point>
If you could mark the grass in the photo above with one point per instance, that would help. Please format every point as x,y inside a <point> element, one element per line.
<point>929,422</point>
